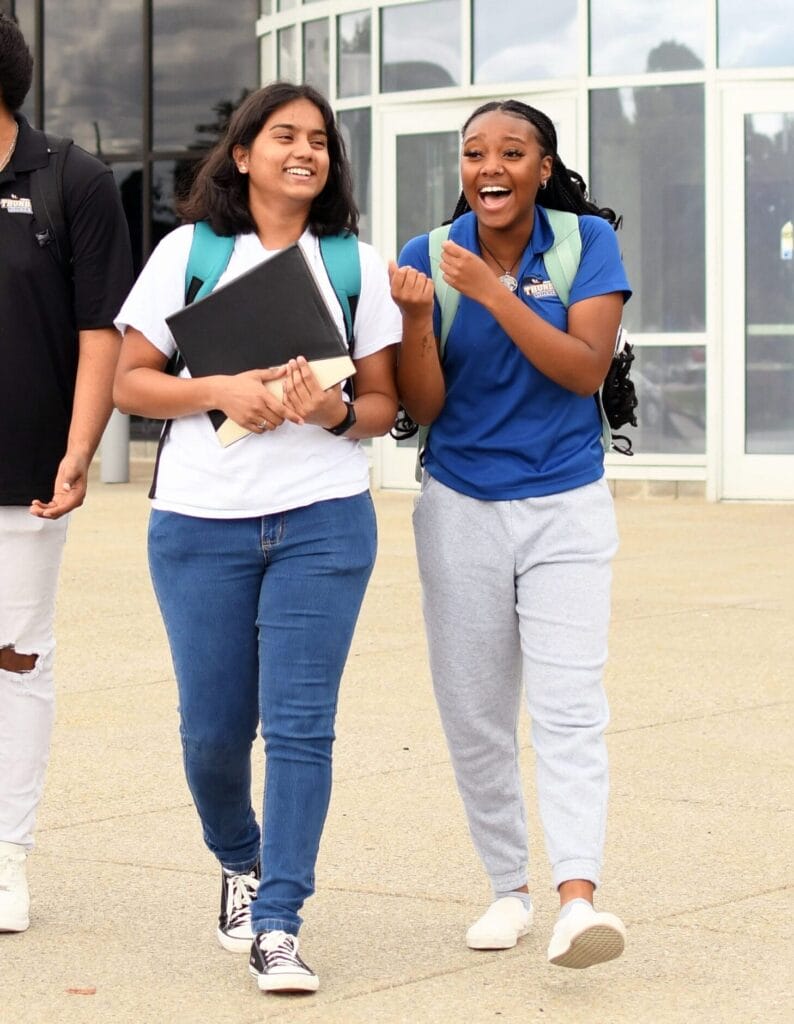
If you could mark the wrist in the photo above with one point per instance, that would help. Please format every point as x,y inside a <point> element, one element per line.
<point>344,422</point>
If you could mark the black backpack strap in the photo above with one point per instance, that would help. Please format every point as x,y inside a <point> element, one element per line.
<point>46,193</point>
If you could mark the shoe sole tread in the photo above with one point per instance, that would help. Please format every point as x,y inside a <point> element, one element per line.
<point>595,945</point>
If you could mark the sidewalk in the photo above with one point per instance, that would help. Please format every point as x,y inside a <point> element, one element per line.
<point>699,856</point>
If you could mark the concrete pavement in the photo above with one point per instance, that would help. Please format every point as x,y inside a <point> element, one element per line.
<point>699,852</point>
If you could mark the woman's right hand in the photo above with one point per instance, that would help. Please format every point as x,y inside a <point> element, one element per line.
<point>247,401</point>
<point>412,291</point>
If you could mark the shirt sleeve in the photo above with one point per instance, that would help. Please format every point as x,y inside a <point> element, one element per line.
<point>159,291</point>
<point>416,254</point>
<point>99,237</point>
<point>378,323</point>
<point>601,269</point>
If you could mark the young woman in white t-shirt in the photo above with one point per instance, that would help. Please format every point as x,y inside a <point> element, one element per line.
<point>260,552</point>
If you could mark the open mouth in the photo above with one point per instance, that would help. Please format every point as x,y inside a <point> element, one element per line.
<point>299,172</point>
<point>494,196</point>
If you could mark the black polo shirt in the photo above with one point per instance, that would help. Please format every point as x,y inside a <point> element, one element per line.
<point>42,311</point>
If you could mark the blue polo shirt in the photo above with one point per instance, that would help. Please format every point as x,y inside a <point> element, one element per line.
<point>506,430</point>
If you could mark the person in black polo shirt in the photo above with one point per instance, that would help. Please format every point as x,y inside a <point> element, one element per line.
<point>58,352</point>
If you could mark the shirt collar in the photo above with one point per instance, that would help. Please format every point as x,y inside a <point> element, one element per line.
<point>464,232</point>
<point>29,153</point>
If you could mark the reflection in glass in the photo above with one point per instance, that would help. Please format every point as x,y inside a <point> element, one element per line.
<point>427,182</point>
<point>671,395</point>
<point>194,81</point>
<point>647,162</point>
<point>288,54</point>
<point>93,89</point>
<point>769,283</point>
<point>626,36</point>
<point>509,49</point>
<point>356,128</point>
<point>315,54</point>
<point>420,46</point>
<point>766,39</point>
<point>170,180</point>
<point>129,179</point>
<point>354,59</point>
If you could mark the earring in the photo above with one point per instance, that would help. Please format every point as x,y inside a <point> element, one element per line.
<point>242,168</point>
<point>543,184</point>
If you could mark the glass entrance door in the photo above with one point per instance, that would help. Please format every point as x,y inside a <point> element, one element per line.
<point>758,289</point>
<point>420,186</point>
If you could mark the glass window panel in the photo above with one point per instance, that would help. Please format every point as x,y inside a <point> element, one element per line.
<point>195,80</point>
<point>671,396</point>
<point>428,184</point>
<point>356,128</point>
<point>287,5</point>
<point>288,54</point>
<point>265,6</point>
<point>170,179</point>
<point>508,49</point>
<point>315,54</point>
<point>647,162</point>
<point>764,39</point>
<point>420,46</point>
<point>354,60</point>
<point>129,178</point>
<point>769,283</point>
<point>626,36</point>
<point>93,89</point>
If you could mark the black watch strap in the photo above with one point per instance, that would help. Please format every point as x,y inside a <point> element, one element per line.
<point>347,422</point>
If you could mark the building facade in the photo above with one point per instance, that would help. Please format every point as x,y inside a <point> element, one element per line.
<point>680,116</point>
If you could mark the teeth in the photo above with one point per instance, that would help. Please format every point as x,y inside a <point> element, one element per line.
<point>495,189</point>
<point>300,171</point>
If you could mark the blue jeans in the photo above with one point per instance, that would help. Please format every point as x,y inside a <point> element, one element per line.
<point>260,614</point>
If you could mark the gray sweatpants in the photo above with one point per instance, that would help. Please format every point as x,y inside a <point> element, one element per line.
<point>516,598</point>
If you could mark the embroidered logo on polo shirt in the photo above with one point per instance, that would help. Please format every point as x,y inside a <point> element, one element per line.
<point>16,205</point>
<point>537,288</point>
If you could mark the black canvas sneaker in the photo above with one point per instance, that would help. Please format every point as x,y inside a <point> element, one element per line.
<point>276,965</point>
<point>238,892</point>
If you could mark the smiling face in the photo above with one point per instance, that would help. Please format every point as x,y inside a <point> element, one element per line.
<point>502,167</point>
<point>288,160</point>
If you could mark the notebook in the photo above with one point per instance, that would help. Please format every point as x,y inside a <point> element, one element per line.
<point>271,313</point>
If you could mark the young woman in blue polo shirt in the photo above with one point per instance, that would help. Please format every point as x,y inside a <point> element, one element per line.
<point>515,527</point>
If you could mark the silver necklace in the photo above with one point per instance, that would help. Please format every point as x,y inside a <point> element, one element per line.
<point>11,148</point>
<point>507,278</point>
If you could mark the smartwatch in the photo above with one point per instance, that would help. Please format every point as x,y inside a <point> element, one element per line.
<point>347,422</point>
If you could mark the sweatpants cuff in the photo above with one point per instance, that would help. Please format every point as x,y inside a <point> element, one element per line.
<point>506,883</point>
<point>567,870</point>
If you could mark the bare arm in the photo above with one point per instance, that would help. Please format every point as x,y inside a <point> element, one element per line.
<point>577,359</point>
<point>98,353</point>
<point>141,386</point>
<point>376,395</point>
<point>420,380</point>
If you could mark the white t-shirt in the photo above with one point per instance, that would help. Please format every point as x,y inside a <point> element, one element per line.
<point>286,468</point>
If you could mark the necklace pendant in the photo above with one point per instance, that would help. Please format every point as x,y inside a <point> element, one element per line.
<point>509,282</point>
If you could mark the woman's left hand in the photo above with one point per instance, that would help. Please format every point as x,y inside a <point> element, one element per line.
<point>304,396</point>
<point>465,271</point>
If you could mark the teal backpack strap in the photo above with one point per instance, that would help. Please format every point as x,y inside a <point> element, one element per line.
<point>341,258</point>
<point>562,259</point>
<point>209,257</point>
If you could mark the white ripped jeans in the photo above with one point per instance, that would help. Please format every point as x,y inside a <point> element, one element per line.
<point>30,559</point>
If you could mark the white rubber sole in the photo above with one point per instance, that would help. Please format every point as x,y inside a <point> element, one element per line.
<point>492,942</point>
<point>595,945</point>
<point>234,945</point>
<point>286,983</point>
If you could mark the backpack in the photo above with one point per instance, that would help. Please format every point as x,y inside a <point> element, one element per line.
<point>208,258</point>
<point>46,197</point>
<point>616,399</point>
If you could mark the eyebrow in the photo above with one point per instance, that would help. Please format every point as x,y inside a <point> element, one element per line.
<point>295,127</point>
<point>505,138</point>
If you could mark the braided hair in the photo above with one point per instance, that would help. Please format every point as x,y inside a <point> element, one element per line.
<point>565,189</point>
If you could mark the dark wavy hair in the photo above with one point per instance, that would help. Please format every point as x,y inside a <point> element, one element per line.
<point>219,192</point>
<point>565,189</point>
<point>16,64</point>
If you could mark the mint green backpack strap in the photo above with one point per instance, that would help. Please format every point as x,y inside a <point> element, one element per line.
<point>208,258</point>
<point>562,262</point>
<point>562,259</point>
<point>448,299</point>
<point>342,261</point>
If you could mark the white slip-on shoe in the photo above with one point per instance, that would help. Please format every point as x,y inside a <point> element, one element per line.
<point>583,937</point>
<point>501,926</point>
<point>14,893</point>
